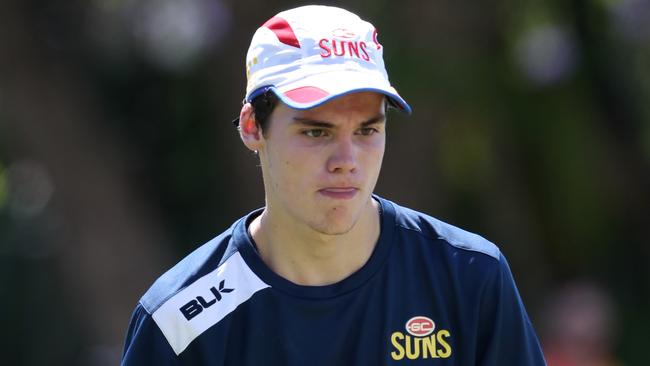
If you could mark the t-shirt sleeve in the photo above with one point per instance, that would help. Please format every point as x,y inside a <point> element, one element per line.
<point>506,335</point>
<point>145,343</point>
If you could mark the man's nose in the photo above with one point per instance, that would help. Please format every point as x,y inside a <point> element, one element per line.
<point>343,158</point>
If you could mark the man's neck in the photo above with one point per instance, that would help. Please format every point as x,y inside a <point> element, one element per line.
<point>307,257</point>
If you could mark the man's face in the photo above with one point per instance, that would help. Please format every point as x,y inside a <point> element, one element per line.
<point>321,165</point>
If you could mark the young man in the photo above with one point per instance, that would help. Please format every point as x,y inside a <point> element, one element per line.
<point>328,273</point>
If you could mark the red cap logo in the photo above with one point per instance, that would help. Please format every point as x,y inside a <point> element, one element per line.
<point>420,326</point>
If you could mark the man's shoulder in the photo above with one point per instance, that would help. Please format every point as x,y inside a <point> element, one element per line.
<point>203,260</point>
<point>183,301</point>
<point>433,229</point>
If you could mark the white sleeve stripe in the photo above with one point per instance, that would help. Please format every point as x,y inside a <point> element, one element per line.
<point>204,303</point>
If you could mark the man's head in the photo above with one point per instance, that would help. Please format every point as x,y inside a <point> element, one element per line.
<point>315,111</point>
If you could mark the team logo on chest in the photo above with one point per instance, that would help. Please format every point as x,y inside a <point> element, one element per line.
<point>421,340</point>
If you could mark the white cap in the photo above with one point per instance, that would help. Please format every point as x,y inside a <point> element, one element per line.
<point>311,54</point>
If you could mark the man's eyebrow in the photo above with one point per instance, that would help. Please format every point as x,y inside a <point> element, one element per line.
<point>311,122</point>
<point>380,118</point>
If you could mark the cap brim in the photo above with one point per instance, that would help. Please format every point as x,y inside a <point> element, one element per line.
<point>304,94</point>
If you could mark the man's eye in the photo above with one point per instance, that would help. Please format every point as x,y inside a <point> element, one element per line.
<point>367,131</point>
<point>314,133</point>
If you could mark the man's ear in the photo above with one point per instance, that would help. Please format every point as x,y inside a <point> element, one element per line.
<point>249,131</point>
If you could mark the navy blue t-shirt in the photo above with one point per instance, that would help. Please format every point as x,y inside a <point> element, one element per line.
<point>430,294</point>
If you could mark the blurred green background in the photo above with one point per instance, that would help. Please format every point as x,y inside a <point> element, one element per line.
<point>531,127</point>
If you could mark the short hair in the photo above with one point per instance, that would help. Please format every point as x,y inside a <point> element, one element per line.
<point>265,103</point>
<point>263,106</point>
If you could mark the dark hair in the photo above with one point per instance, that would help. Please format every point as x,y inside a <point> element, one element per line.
<point>263,106</point>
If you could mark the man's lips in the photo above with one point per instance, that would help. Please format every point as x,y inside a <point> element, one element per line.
<point>339,192</point>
